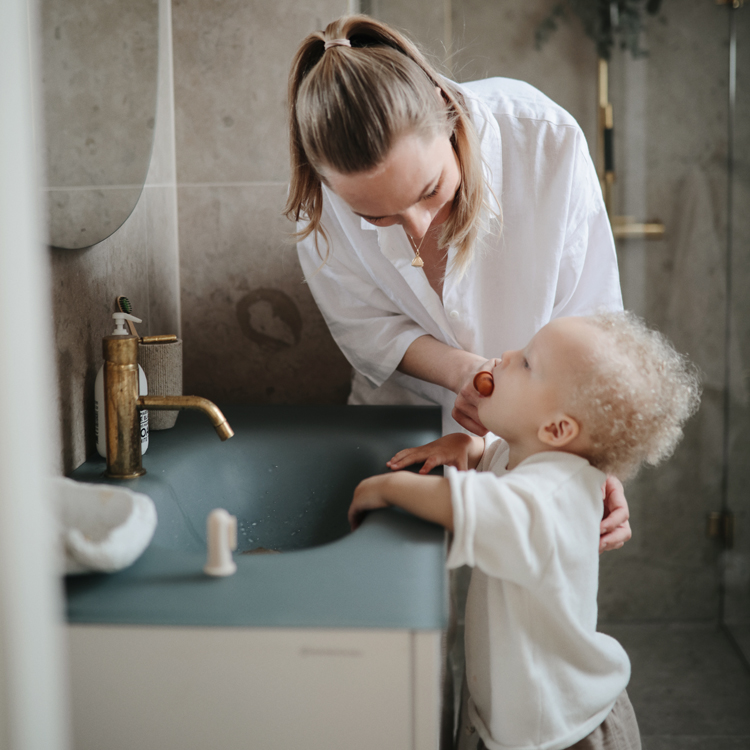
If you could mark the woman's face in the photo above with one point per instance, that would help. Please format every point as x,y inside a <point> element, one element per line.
<point>414,187</point>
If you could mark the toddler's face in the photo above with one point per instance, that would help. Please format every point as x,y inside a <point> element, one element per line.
<point>530,383</point>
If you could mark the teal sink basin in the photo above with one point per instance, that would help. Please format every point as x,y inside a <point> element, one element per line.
<point>288,476</point>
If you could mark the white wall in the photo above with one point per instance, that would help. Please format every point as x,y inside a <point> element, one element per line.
<point>32,711</point>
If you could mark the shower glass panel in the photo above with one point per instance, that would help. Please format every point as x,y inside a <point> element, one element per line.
<point>736,606</point>
<point>670,162</point>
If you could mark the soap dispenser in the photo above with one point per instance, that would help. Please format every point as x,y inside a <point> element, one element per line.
<point>99,426</point>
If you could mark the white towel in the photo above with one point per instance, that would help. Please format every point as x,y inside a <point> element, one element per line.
<point>102,528</point>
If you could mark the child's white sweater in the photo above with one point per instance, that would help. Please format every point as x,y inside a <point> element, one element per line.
<point>539,674</point>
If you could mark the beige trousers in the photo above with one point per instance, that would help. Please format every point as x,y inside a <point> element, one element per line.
<point>619,731</point>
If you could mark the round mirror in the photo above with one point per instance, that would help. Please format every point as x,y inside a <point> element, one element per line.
<point>99,75</point>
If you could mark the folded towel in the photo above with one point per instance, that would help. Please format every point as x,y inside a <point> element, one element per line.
<point>102,528</point>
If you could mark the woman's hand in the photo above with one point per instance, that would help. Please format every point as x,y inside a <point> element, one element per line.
<point>456,449</point>
<point>465,408</point>
<point>615,527</point>
<point>432,360</point>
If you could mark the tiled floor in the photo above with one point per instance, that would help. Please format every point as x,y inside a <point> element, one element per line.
<point>689,687</point>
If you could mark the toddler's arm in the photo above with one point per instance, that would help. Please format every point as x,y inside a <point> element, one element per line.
<point>426,497</point>
<point>459,450</point>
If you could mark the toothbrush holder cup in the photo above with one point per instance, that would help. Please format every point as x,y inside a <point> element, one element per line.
<point>162,363</point>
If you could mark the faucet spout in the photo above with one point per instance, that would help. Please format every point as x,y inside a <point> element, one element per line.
<point>122,404</point>
<point>209,408</point>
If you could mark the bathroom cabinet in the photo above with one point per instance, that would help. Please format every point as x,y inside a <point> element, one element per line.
<point>230,688</point>
<point>334,643</point>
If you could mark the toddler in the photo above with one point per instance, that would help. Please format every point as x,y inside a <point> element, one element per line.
<point>587,397</point>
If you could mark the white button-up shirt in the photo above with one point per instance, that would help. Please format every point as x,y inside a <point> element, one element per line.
<point>551,254</point>
<point>538,672</point>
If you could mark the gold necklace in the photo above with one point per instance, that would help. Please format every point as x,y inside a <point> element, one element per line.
<point>417,262</point>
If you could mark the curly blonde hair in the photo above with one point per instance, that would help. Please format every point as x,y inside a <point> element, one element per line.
<point>349,105</point>
<point>637,394</point>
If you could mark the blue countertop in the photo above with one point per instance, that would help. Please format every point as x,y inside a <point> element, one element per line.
<point>288,476</point>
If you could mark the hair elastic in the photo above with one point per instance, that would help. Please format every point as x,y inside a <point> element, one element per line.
<point>337,43</point>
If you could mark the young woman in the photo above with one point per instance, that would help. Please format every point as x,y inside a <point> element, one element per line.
<point>439,223</point>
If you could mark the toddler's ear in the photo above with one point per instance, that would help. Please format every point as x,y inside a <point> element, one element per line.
<point>559,431</point>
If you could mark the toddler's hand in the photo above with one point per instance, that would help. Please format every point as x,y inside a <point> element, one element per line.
<point>367,496</point>
<point>456,449</point>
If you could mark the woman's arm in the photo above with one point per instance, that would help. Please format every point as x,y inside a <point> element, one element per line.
<point>431,360</point>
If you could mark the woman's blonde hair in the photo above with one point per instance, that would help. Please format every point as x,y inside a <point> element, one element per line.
<point>349,105</point>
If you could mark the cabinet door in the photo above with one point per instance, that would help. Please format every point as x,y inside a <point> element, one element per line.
<point>184,688</point>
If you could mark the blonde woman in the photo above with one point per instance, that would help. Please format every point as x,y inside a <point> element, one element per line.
<point>439,223</point>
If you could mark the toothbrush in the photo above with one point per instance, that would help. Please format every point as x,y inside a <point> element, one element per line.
<point>123,305</point>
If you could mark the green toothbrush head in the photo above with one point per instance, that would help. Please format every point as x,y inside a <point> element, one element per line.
<point>123,303</point>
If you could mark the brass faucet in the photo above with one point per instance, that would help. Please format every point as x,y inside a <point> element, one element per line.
<point>122,404</point>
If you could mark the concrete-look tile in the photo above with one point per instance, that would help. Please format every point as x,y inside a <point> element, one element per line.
<point>85,284</point>
<point>497,39</point>
<point>160,207</point>
<point>232,63</point>
<point>251,330</point>
<point>687,680</point>
<point>422,20</point>
<point>162,169</point>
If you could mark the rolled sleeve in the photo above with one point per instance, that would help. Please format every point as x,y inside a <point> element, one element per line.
<point>498,527</point>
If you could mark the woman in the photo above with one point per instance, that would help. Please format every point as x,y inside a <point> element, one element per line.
<point>440,224</point>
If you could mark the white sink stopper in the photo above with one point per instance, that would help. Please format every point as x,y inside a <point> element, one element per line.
<point>102,528</point>
<point>221,533</point>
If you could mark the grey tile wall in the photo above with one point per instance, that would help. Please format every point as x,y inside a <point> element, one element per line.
<point>252,332</point>
<point>497,39</point>
<point>140,261</point>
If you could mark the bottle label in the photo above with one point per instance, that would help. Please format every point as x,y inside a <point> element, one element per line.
<point>144,429</point>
